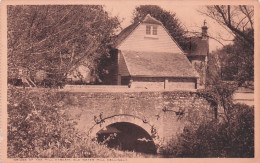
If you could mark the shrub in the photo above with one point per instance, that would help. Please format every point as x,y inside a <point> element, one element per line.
<point>233,138</point>
<point>39,128</point>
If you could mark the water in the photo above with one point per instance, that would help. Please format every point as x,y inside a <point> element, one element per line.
<point>146,155</point>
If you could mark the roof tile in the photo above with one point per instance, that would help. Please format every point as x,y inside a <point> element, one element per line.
<point>158,64</point>
<point>198,46</point>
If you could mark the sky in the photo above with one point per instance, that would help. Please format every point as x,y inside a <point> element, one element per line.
<point>187,14</point>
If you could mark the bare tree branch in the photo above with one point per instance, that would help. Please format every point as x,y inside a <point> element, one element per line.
<point>58,38</point>
<point>224,15</point>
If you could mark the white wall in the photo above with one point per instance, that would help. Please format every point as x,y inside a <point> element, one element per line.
<point>159,83</point>
<point>139,41</point>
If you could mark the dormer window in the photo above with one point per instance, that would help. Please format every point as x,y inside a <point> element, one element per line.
<point>151,30</point>
<point>154,30</point>
<point>148,29</point>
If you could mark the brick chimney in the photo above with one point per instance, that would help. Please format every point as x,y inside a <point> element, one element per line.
<point>204,33</point>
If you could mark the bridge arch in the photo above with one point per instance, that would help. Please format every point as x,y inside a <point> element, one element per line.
<point>124,118</point>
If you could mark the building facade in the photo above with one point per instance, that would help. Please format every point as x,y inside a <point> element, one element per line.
<point>148,57</point>
<point>198,54</point>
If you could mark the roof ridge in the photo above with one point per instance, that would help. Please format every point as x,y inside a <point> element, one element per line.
<point>149,51</point>
<point>151,20</point>
<point>129,29</point>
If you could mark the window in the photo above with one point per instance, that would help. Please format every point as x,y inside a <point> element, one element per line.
<point>148,29</point>
<point>151,30</point>
<point>154,30</point>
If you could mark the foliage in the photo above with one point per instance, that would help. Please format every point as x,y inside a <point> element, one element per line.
<point>218,92</point>
<point>236,60</point>
<point>217,138</point>
<point>168,19</point>
<point>38,128</point>
<point>108,68</point>
<point>235,63</point>
<point>58,38</point>
<point>231,134</point>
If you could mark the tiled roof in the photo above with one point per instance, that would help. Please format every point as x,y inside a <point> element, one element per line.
<point>125,32</point>
<point>198,46</point>
<point>158,64</point>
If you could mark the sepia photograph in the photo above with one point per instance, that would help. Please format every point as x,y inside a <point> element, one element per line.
<point>129,79</point>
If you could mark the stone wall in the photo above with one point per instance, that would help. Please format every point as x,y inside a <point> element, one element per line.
<point>162,114</point>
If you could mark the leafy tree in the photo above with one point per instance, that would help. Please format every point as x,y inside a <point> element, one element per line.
<point>168,19</point>
<point>39,127</point>
<point>230,134</point>
<point>217,91</point>
<point>237,60</point>
<point>217,138</point>
<point>57,39</point>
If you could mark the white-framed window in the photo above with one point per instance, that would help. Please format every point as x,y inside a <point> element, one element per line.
<point>151,30</point>
<point>148,29</point>
<point>154,30</point>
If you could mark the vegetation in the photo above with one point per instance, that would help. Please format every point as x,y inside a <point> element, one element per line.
<point>39,128</point>
<point>54,40</point>
<point>236,62</point>
<point>234,138</point>
<point>217,138</point>
<point>231,133</point>
<point>237,59</point>
<point>217,91</point>
<point>57,39</point>
<point>237,19</point>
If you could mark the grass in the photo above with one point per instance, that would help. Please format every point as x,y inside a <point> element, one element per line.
<point>38,128</point>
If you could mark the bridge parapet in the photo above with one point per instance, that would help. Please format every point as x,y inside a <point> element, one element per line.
<point>162,114</point>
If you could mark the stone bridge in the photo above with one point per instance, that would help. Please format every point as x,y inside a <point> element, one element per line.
<point>160,114</point>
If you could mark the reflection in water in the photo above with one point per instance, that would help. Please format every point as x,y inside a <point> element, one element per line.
<point>127,136</point>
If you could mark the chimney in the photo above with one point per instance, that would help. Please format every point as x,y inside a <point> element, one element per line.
<point>204,31</point>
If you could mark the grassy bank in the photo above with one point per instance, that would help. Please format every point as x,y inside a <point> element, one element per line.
<point>38,128</point>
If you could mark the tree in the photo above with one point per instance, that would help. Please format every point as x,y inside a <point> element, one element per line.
<point>237,19</point>
<point>230,134</point>
<point>57,39</point>
<point>236,62</point>
<point>238,58</point>
<point>217,138</point>
<point>168,19</point>
<point>39,127</point>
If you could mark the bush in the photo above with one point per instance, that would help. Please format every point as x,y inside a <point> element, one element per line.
<point>39,128</point>
<point>233,138</point>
